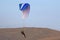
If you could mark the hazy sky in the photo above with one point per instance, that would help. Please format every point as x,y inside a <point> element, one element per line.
<point>43,13</point>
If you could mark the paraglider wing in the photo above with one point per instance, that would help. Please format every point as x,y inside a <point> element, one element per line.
<point>25,8</point>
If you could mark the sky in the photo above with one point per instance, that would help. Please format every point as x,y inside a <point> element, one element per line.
<point>43,14</point>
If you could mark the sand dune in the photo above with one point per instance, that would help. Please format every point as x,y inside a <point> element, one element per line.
<point>31,34</point>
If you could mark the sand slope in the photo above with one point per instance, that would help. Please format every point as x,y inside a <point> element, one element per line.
<point>31,34</point>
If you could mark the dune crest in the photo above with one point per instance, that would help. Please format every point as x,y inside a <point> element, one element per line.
<point>29,33</point>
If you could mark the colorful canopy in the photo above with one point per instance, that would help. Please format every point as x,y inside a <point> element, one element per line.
<point>25,8</point>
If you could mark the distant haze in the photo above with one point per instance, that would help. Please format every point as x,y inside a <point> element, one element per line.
<point>43,13</point>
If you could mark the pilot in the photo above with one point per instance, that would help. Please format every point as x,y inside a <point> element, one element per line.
<point>22,32</point>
